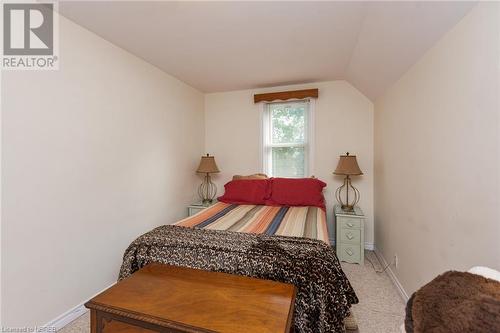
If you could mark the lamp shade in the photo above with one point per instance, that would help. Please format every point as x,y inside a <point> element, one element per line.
<point>207,165</point>
<point>348,165</point>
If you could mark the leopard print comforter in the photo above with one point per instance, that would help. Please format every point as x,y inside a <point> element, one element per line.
<point>324,295</point>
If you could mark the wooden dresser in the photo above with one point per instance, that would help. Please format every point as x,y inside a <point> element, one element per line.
<point>162,298</point>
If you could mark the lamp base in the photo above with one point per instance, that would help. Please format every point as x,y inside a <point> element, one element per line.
<point>347,208</point>
<point>207,190</point>
<point>347,205</point>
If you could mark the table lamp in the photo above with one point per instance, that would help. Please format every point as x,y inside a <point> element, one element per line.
<point>207,189</point>
<point>348,166</point>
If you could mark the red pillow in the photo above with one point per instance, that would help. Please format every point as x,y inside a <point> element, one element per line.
<point>297,192</point>
<point>246,191</point>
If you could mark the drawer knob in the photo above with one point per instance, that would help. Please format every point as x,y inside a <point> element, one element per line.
<point>349,252</point>
<point>349,235</point>
<point>350,225</point>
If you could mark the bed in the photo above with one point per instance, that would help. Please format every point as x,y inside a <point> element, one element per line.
<point>275,238</point>
<point>309,222</point>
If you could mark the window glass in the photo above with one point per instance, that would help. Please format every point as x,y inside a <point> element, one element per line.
<point>288,162</point>
<point>288,122</point>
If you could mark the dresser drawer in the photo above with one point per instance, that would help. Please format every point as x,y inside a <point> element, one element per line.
<point>350,253</point>
<point>349,222</point>
<point>350,235</point>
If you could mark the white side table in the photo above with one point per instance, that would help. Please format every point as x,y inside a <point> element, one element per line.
<point>198,207</point>
<point>350,235</point>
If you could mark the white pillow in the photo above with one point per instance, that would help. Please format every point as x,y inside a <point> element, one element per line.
<point>486,272</point>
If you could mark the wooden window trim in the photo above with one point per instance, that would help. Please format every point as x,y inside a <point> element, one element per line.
<point>285,95</point>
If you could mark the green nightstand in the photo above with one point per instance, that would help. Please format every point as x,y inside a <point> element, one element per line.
<point>198,207</point>
<point>350,235</point>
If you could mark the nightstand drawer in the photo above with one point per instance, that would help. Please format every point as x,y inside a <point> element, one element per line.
<point>349,222</point>
<point>350,253</point>
<point>350,235</point>
<point>195,210</point>
<point>198,207</point>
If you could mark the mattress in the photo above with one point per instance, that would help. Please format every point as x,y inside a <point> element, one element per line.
<point>308,222</point>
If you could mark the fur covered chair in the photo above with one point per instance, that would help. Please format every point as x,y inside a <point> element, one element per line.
<point>455,302</point>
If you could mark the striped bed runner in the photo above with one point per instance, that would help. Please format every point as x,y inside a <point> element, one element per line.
<point>294,221</point>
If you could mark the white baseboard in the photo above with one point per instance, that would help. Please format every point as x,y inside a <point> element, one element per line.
<point>392,276</point>
<point>71,314</point>
<point>368,246</point>
<point>67,317</point>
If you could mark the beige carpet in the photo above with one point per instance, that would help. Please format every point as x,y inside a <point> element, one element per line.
<point>380,308</point>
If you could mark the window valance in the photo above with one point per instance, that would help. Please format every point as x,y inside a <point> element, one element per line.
<point>285,95</point>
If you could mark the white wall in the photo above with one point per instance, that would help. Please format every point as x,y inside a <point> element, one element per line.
<point>343,122</point>
<point>437,156</point>
<point>93,155</point>
<point>1,322</point>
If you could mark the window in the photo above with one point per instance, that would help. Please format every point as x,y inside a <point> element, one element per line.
<point>287,139</point>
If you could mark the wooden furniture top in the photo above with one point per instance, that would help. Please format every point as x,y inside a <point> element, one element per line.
<point>180,297</point>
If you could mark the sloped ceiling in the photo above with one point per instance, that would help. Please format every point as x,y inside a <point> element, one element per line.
<point>222,46</point>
